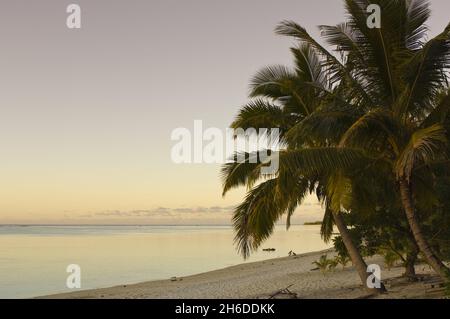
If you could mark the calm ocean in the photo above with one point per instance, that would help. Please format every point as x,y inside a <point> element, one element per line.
<point>33,259</point>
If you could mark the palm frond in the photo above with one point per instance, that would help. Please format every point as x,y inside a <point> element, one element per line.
<point>261,114</point>
<point>243,170</point>
<point>425,73</point>
<point>308,65</point>
<point>326,229</point>
<point>254,219</point>
<point>440,112</point>
<point>424,146</point>
<point>339,192</point>
<point>323,127</point>
<point>336,70</point>
<point>276,82</point>
<point>370,128</point>
<point>323,161</point>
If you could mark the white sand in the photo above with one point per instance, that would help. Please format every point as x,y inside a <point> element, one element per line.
<point>263,279</point>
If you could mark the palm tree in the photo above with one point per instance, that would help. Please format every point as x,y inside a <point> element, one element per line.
<point>282,99</point>
<point>379,106</point>
<point>398,84</point>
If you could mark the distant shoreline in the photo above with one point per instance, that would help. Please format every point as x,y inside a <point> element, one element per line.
<point>318,223</point>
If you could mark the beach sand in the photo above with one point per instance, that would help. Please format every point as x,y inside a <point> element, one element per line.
<point>263,279</point>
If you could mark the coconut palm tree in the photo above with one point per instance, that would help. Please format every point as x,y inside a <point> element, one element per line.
<point>282,99</point>
<point>398,83</point>
<point>378,107</point>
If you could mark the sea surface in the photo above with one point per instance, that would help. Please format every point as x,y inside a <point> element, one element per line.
<point>34,259</point>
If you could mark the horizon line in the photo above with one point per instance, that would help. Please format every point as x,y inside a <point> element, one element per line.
<point>25,225</point>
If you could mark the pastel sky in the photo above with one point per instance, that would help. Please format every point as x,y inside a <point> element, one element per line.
<point>86,115</point>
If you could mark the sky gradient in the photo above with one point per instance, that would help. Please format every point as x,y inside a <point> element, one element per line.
<point>86,115</point>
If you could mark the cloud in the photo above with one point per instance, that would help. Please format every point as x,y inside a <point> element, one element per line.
<point>161,212</point>
<point>203,209</point>
<point>214,214</point>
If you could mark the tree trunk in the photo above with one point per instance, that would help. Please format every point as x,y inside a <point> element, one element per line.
<point>425,249</point>
<point>410,270</point>
<point>411,258</point>
<point>354,254</point>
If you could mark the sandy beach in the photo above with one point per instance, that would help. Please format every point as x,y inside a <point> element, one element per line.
<point>265,278</point>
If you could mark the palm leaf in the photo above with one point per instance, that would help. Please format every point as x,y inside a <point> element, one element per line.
<point>424,146</point>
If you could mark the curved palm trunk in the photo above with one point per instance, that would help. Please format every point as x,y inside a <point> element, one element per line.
<point>355,256</point>
<point>425,249</point>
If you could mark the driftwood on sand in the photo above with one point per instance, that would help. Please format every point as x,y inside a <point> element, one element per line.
<point>284,294</point>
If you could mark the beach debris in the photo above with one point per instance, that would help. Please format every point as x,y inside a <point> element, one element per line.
<point>284,294</point>
<point>173,279</point>
<point>291,253</point>
<point>269,249</point>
